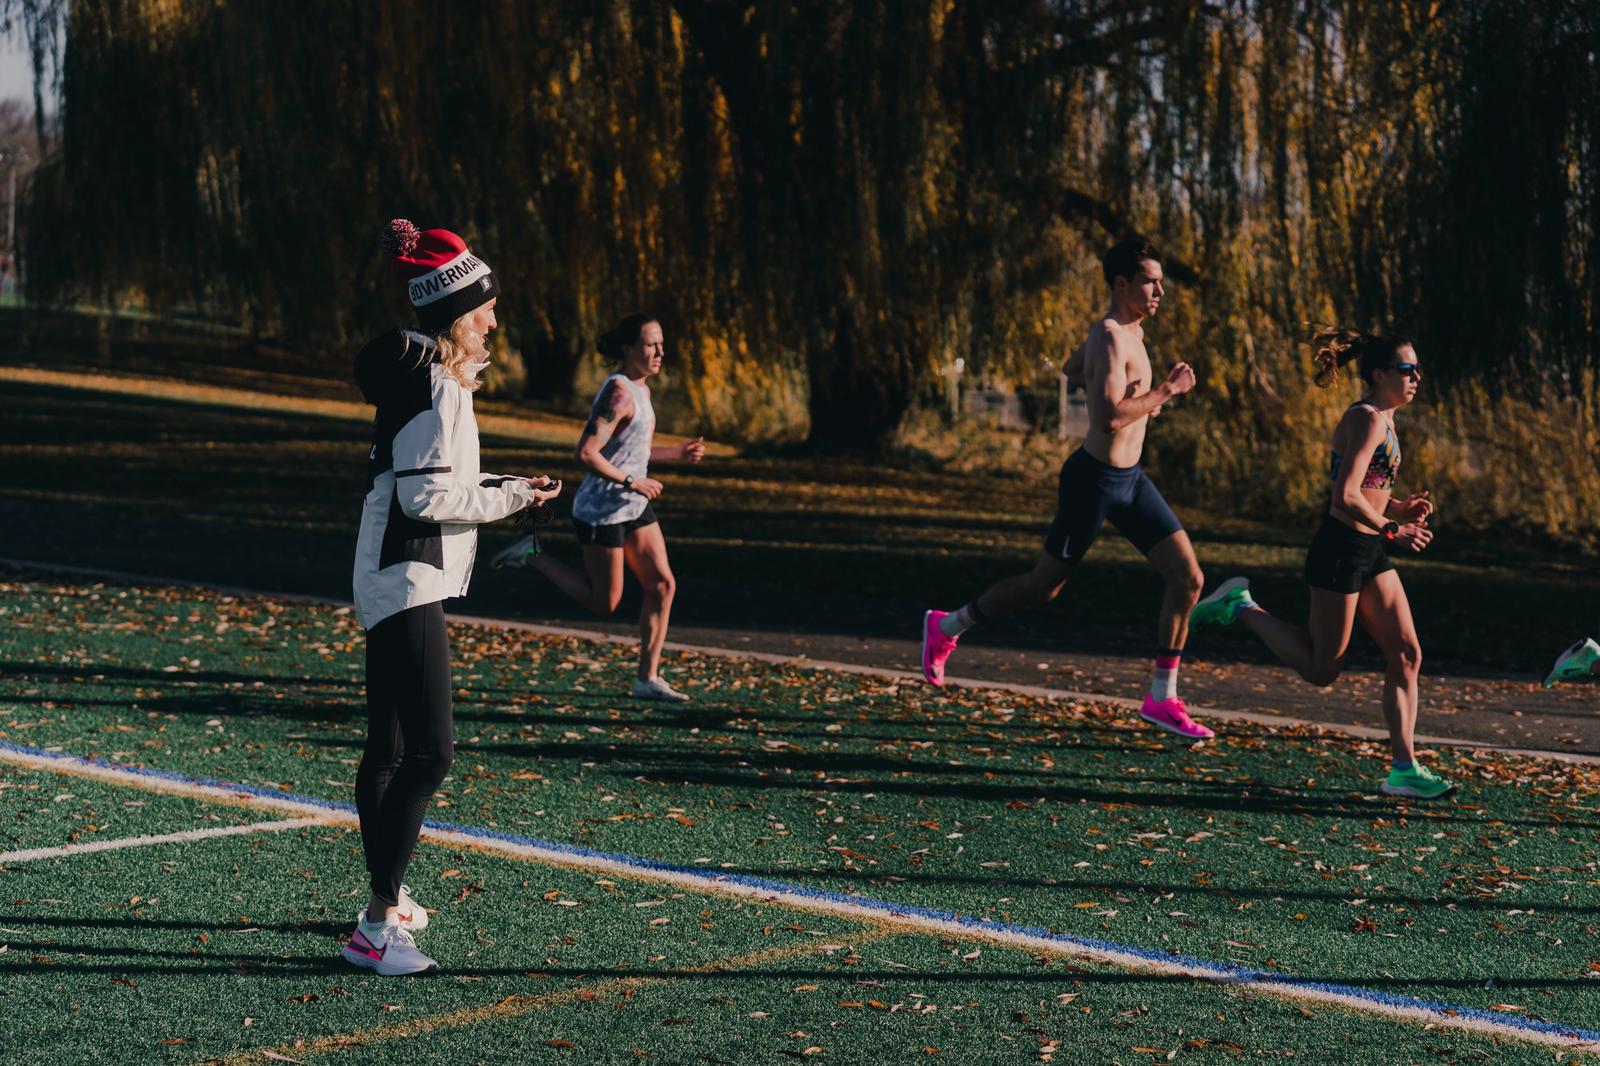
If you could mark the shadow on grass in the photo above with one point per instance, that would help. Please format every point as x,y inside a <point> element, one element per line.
<point>184,963</point>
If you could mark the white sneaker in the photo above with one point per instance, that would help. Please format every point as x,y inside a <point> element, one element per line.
<point>517,554</point>
<point>657,689</point>
<point>392,953</point>
<point>1576,661</point>
<point>412,915</point>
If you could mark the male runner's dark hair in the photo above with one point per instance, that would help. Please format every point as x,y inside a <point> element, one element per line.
<point>624,334</point>
<point>1335,346</point>
<point>1123,258</point>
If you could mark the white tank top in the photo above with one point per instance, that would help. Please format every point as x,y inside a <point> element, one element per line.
<point>601,501</point>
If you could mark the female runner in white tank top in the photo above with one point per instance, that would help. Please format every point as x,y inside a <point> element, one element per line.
<point>611,511</point>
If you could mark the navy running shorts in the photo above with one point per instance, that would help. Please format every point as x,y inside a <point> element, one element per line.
<point>612,535</point>
<point>1092,492</point>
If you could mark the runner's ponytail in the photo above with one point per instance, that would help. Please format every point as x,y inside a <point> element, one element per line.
<point>1333,347</point>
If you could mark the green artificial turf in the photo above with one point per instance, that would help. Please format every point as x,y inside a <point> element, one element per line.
<point>1268,848</point>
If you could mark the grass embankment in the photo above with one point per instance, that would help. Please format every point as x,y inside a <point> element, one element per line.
<point>263,491</point>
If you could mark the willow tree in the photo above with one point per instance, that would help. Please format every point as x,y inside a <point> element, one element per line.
<point>830,198</point>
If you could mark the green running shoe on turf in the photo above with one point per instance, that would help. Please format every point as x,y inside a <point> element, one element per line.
<point>1419,782</point>
<point>1576,661</point>
<point>1222,607</point>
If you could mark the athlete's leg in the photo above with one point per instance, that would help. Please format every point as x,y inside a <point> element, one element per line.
<point>941,630</point>
<point>412,649</point>
<point>1036,588</point>
<point>1317,655</point>
<point>646,552</point>
<point>1083,499</point>
<point>597,587</point>
<point>1175,561</point>
<point>1386,615</point>
<point>1173,558</point>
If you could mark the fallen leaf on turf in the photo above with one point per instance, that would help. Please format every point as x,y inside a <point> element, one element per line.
<point>805,988</point>
<point>451,873</point>
<point>304,997</point>
<point>559,1043</point>
<point>812,1050</point>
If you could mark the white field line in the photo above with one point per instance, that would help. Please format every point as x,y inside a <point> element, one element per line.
<point>879,913</point>
<point>806,663</point>
<point>34,854</point>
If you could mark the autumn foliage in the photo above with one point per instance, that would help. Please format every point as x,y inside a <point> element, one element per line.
<point>826,201</point>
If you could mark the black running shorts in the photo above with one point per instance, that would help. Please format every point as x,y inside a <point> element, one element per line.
<point>1342,560</point>
<point>612,536</point>
<point>1092,492</point>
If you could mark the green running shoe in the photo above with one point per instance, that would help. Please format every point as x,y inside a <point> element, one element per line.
<point>1222,607</point>
<point>1576,661</point>
<point>1419,782</point>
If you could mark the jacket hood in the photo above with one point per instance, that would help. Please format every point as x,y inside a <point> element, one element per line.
<point>390,360</point>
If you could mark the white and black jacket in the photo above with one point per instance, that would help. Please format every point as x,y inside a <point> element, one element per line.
<point>425,494</point>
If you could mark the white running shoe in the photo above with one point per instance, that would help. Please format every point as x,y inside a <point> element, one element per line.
<point>1576,661</point>
<point>412,915</point>
<point>392,953</point>
<point>516,555</point>
<point>657,689</point>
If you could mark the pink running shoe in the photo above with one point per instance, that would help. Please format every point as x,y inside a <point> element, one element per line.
<point>1173,716</point>
<point>936,648</point>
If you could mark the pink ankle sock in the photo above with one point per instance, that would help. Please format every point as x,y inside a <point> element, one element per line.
<point>1164,680</point>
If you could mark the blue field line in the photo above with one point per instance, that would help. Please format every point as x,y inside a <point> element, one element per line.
<point>1221,972</point>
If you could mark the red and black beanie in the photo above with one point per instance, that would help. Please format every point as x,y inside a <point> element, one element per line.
<point>443,278</point>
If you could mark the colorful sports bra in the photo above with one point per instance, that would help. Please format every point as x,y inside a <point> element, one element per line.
<point>1385,464</point>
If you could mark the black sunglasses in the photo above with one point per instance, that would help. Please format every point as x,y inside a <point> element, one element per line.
<point>1407,368</point>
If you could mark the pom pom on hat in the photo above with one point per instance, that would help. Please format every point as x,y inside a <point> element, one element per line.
<point>400,236</point>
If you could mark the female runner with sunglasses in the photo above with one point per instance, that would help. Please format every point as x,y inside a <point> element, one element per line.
<point>1347,566</point>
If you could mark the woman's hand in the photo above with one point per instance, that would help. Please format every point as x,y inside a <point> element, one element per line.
<point>693,450</point>
<point>544,488</point>
<point>1414,508</point>
<point>1414,536</point>
<point>648,487</point>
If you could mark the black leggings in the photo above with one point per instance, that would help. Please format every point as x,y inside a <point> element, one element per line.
<point>410,741</point>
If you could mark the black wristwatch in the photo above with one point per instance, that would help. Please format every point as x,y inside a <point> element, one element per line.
<point>627,482</point>
<point>1391,529</point>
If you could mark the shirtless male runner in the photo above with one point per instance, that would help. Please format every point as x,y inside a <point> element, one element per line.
<point>1102,480</point>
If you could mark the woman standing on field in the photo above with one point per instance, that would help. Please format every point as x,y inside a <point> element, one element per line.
<point>1347,567</point>
<point>419,532</point>
<point>611,512</point>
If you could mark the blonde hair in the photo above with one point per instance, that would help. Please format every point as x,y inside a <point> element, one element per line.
<point>460,346</point>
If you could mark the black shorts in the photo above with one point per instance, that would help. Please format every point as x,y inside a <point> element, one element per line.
<point>612,536</point>
<point>1343,560</point>
<point>1092,492</point>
